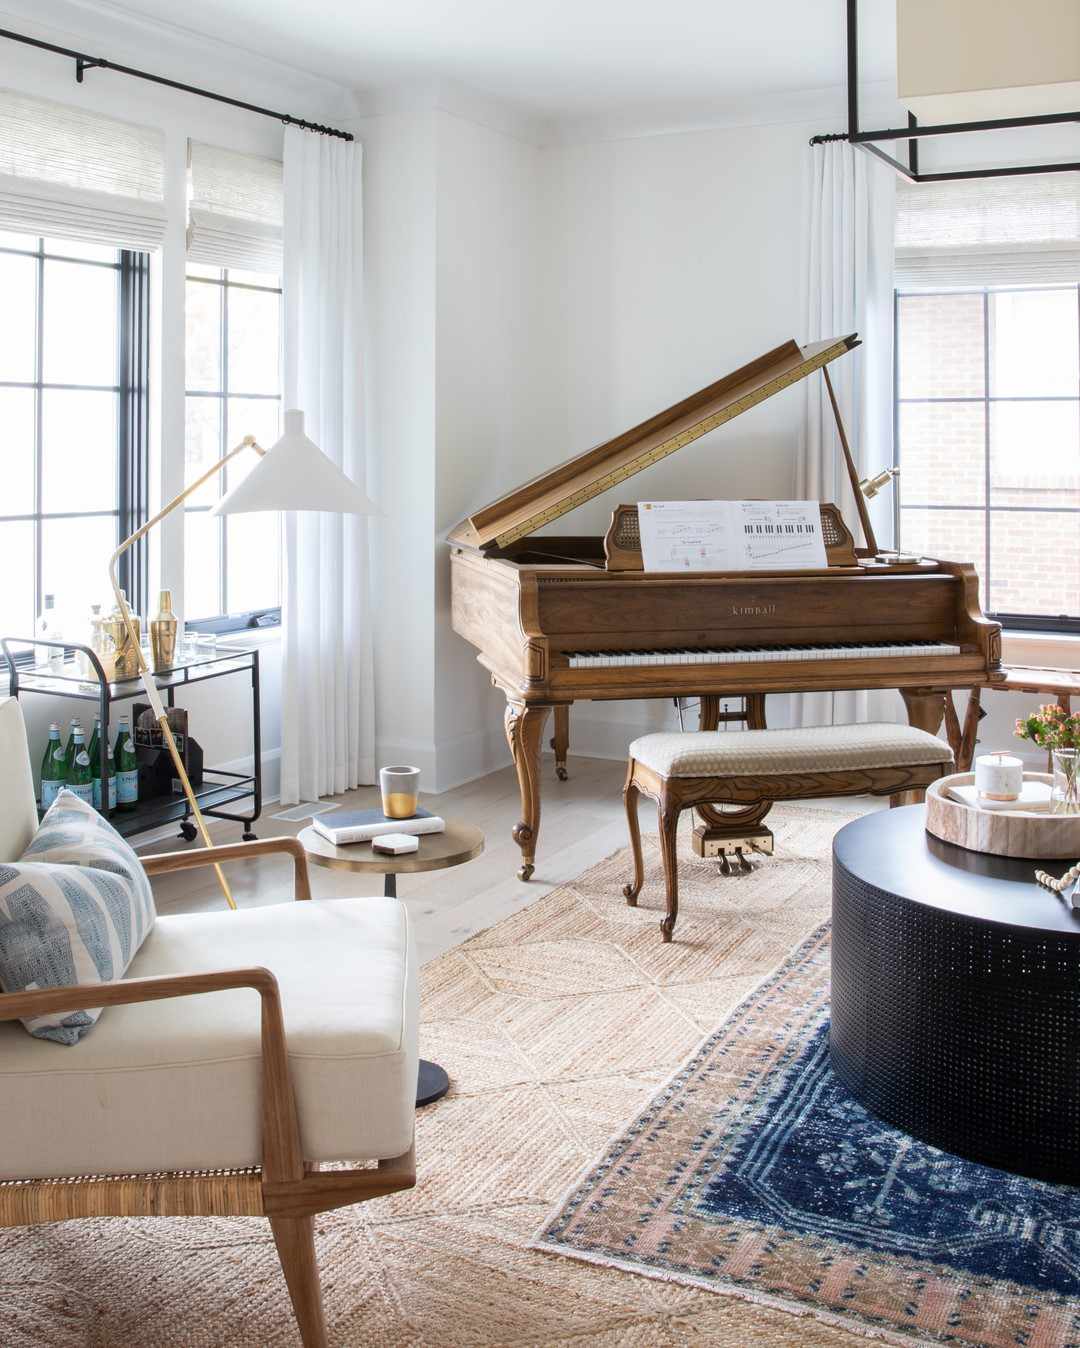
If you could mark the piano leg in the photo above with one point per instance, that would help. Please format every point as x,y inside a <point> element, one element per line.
<point>524,733</point>
<point>925,707</point>
<point>561,741</point>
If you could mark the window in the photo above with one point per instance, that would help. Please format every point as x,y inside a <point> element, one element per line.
<point>74,365</point>
<point>988,437</point>
<point>232,566</point>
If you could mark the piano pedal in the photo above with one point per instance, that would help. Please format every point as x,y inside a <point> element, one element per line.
<point>734,845</point>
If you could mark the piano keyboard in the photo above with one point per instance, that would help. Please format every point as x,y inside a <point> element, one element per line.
<point>734,655</point>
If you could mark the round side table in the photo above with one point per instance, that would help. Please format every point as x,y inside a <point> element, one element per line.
<point>456,844</point>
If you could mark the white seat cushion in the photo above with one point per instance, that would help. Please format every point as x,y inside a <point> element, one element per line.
<point>775,753</point>
<point>174,1085</point>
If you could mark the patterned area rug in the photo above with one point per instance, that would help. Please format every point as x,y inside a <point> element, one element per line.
<point>556,1026</point>
<point>753,1172</point>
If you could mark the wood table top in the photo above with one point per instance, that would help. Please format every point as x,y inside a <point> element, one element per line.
<point>458,842</point>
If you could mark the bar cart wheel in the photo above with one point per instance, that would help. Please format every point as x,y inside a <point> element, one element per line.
<point>188,831</point>
<point>248,836</point>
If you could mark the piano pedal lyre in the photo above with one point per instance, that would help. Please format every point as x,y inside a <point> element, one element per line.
<point>734,845</point>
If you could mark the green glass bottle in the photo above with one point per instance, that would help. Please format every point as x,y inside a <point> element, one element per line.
<point>95,767</point>
<point>53,768</point>
<point>79,779</point>
<point>69,749</point>
<point>127,768</point>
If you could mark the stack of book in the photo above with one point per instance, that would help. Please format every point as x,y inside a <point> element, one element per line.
<point>357,826</point>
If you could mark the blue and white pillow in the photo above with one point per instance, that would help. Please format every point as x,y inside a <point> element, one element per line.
<point>74,909</point>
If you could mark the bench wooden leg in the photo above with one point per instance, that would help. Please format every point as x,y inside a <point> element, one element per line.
<point>630,800</point>
<point>668,819</point>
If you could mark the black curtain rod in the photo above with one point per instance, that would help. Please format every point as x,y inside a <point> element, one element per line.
<point>83,62</point>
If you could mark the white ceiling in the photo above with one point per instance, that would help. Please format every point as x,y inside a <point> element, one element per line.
<point>553,58</point>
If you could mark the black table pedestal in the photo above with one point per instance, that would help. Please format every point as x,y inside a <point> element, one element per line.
<point>956,997</point>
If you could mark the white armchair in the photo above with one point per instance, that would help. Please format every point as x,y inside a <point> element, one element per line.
<point>181,1075</point>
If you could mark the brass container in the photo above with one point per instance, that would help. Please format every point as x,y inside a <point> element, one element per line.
<point>163,631</point>
<point>125,652</point>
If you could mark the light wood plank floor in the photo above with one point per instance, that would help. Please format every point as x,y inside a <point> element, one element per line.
<point>583,822</point>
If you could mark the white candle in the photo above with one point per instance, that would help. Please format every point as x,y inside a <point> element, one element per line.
<point>999,776</point>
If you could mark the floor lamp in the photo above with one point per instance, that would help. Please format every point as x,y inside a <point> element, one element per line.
<point>293,474</point>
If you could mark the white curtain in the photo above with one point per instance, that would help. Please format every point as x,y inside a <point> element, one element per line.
<point>849,288</point>
<point>327,734</point>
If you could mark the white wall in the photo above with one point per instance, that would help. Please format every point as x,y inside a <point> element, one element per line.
<point>498,385</point>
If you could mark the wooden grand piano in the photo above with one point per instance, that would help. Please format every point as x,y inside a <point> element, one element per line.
<point>557,619</point>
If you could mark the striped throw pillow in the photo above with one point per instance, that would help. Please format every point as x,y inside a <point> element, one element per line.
<point>74,909</point>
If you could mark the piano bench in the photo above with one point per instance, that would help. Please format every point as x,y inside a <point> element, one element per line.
<point>749,769</point>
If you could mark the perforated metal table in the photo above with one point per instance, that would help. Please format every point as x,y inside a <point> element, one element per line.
<point>956,996</point>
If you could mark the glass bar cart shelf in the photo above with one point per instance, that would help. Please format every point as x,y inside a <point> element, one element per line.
<point>220,787</point>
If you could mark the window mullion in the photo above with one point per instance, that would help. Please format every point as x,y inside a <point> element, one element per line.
<point>39,466</point>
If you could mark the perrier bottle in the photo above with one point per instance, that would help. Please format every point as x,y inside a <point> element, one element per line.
<point>127,768</point>
<point>79,779</point>
<point>53,768</point>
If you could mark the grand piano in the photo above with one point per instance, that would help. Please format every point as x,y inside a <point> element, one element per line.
<point>559,618</point>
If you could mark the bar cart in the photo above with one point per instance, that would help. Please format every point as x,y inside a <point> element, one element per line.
<point>220,788</point>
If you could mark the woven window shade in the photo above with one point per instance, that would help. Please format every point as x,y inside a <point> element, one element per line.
<point>235,209</point>
<point>74,174</point>
<point>989,231</point>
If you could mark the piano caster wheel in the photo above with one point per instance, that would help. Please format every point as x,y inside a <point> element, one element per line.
<point>666,928</point>
<point>562,774</point>
<point>630,895</point>
<point>526,871</point>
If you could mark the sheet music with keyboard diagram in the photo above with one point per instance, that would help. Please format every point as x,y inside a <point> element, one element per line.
<point>731,535</point>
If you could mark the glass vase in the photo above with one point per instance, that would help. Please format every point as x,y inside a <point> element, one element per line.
<point>1065,792</point>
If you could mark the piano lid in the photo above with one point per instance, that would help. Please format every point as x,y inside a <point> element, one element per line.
<point>578,480</point>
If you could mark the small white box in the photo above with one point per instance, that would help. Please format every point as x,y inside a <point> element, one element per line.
<point>396,844</point>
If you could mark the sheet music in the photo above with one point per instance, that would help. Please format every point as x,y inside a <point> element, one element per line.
<point>731,535</point>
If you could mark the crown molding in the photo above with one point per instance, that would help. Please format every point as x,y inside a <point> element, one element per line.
<point>455,100</point>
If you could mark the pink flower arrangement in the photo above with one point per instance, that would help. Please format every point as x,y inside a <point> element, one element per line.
<point>1051,727</point>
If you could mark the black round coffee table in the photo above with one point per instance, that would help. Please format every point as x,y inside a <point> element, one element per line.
<point>956,996</point>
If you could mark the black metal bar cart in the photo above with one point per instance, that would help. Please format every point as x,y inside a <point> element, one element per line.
<point>220,787</point>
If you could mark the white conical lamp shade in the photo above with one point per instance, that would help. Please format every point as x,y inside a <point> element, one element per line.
<point>294,474</point>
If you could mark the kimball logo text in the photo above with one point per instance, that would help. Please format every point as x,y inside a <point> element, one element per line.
<point>752,610</point>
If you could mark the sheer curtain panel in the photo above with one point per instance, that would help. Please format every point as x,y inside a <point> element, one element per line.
<point>74,174</point>
<point>327,738</point>
<point>849,288</point>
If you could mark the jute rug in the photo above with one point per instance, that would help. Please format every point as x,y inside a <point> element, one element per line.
<point>557,1026</point>
<point>753,1172</point>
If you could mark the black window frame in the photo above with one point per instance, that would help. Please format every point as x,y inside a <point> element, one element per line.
<point>1063,624</point>
<point>133,417</point>
<point>223,623</point>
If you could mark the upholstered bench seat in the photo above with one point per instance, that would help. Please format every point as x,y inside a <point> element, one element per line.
<point>749,769</point>
<point>175,1085</point>
<point>770,753</point>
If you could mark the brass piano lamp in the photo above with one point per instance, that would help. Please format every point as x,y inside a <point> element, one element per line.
<point>293,474</point>
<point>870,486</point>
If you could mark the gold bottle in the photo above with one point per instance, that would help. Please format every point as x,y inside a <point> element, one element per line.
<point>163,631</point>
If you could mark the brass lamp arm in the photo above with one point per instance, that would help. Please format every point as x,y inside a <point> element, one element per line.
<point>149,687</point>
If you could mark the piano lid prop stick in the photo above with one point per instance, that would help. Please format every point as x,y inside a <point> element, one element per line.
<point>853,476</point>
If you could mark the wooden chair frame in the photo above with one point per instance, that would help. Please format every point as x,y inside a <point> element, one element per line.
<point>903,785</point>
<point>286,1188</point>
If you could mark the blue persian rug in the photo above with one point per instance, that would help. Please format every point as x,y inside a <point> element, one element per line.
<point>755,1174</point>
